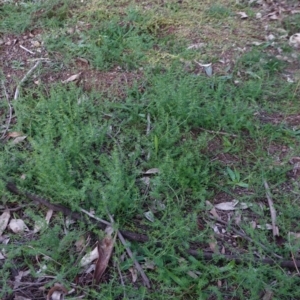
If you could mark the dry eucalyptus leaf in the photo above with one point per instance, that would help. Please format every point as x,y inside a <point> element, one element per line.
<point>294,40</point>
<point>146,180</point>
<point>79,244</point>
<point>4,218</point>
<point>196,46</point>
<point>242,14</point>
<point>233,205</point>
<point>19,139</point>
<point>17,226</point>
<point>41,224</point>
<point>268,295</point>
<point>105,248</point>
<point>149,216</point>
<point>149,264</point>
<point>88,258</point>
<point>134,274</point>
<point>14,134</point>
<point>214,213</point>
<point>57,292</point>
<point>213,245</point>
<point>19,277</point>
<point>295,235</point>
<point>72,78</point>
<point>151,171</point>
<point>192,274</point>
<point>295,11</point>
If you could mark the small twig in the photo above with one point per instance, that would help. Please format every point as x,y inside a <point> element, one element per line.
<point>243,235</point>
<point>29,51</point>
<point>136,263</point>
<point>272,209</point>
<point>25,78</point>
<point>148,132</point>
<point>294,261</point>
<point>218,132</point>
<point>122,280</point>
<point>93,217</point>
<point>148,124</point>
<point>10,112</point>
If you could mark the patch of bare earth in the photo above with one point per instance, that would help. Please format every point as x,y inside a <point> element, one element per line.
<point>19,53</point>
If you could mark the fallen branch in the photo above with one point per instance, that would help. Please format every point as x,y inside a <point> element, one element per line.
<point>137,237</point>
<point>132,236</point>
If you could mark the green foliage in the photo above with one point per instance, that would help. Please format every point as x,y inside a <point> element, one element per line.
<point>218,11</point>
<point>203,133</point>
<point>27,15</point>
<point>291,23</point>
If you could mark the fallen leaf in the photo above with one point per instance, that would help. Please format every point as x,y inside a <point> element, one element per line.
<point>89,257</point>
<point>2,256</point>
<point>72,78</point>
<point>40,224</point>
<point>57,292</point>
<point>196,46</point>
<point>146,180</point>
<point>242,14</point>
<point>233,205</point>
<point>192,274</point>
<point>294,40</point>
<point>295,11</point>
<point>213,245</point>
<point>214,213</point>
<point>4,218</point>
<point>17,226</point>
<point>268,295</point>
<point>149,264</point>
<point>19,277</point>
<point>79,244</point>
<point>133,272</point>
<point>14,134</point>
<point>149,216</point>
<point>105,248</point>
<point>19,139</point>
<point>151,171</point>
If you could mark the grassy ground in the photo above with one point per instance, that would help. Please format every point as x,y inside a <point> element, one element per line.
<point>150,133</point>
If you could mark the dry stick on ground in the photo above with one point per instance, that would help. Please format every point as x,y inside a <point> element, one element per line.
<point>25,78</point>
<point>10,112</point>
<point>136,263</point>
<point>219,132</point>
<point>272,208</point>
<point>137,237</point>
<point>27,50</point>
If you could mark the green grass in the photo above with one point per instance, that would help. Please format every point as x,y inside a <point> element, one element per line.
<point>86,150</point>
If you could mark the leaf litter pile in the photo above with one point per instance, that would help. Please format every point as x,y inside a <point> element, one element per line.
<point>119,182</point>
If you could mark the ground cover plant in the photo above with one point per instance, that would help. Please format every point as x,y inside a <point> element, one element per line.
<point>149,150</point>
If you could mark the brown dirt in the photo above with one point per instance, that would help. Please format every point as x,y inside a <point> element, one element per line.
<point>16,62</point>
